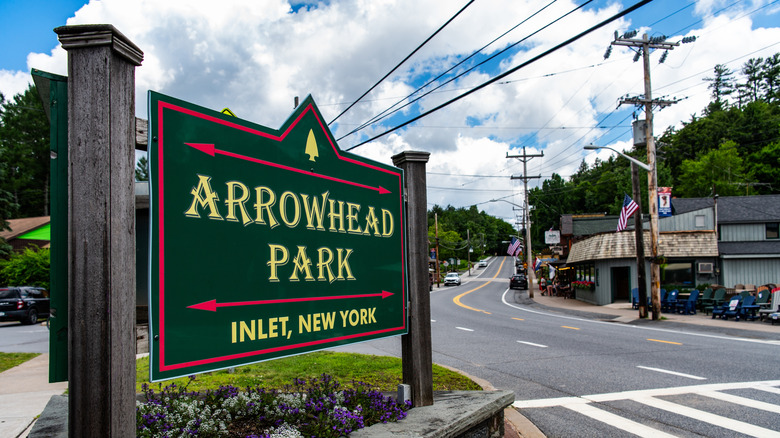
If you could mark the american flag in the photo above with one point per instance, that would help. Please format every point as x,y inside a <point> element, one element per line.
<point>629,207</point>
<point>514,247</point>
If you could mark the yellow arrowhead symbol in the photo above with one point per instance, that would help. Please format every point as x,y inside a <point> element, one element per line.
<point>311,147</point>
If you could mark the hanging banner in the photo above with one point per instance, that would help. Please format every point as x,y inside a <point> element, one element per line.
<point>266,243</point>
<point>664,201</point>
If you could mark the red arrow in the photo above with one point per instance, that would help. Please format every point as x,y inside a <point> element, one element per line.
<point>209,149</point>
<point>213,304</point>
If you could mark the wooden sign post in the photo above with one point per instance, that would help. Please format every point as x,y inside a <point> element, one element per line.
<point>416,356</point>
<point>101,244</point>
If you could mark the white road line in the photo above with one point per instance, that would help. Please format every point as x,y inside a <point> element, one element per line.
<point>617,421</point>
<point>674,373</point>
<point>548,402</point>
<point>532,344</point>
<point>465,329</point>
<point>717,420</point>
<point>744,401</point>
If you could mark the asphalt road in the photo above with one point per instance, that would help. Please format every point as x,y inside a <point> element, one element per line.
<point>584,376</point>
<point>18,338</point>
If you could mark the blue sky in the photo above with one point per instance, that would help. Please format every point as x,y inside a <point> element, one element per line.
<point>255,57</point>
<point>27,26</point>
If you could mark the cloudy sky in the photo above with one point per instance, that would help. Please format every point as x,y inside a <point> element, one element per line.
<point>255,56</point>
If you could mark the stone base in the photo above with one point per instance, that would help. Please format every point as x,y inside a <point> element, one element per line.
<point>454,414</point>
<point>53,422</point>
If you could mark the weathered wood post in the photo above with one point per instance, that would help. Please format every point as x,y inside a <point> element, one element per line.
<point>101,217</point>
<point>416,345</point>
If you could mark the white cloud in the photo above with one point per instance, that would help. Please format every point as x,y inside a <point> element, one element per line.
<point>255,57</point>
<point>13,83</point>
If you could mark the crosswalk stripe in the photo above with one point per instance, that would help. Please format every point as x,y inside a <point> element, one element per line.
<point>717,420</point>
<point>547,402</point>
<point>744,401</point>
<point>771,389</point>
<point>617,421</point>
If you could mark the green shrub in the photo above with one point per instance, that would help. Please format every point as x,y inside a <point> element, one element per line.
<point>27,268</point>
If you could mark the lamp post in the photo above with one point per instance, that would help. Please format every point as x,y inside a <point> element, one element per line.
<point>530,267</point>
<point>640,249</point>
<point>591,147</point>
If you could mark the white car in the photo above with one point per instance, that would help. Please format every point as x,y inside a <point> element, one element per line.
<point>452,278</point>
<point>482,263</point>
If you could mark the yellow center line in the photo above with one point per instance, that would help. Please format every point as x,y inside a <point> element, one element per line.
<point>519,319</point>
<point>456,300</point>
<point>567,327</point>
<point>665,342</point>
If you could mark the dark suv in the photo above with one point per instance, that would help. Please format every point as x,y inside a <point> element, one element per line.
<point>24,304</point>
<point>518,281</point>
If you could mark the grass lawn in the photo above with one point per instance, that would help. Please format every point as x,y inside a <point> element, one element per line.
<point>10,360</point>
<point>381,372</point>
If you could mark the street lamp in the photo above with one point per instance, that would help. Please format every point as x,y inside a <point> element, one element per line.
<point>591,147</point>
<point>655,292</point>
<point>531,275</point>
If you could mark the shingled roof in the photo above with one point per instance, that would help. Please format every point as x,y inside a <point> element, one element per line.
<point>734,209</point>
<point>21,226</point>
<point>622,245</point>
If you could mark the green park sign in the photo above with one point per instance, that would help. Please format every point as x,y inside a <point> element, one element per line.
<point>266,243</point>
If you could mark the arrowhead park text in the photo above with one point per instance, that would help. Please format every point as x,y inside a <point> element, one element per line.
<point>320,213</point>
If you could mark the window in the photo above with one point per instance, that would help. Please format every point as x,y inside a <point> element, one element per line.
<point>586,272</point>
<point>678,273</point>
<point>773,230</point>
<point>699,221</point>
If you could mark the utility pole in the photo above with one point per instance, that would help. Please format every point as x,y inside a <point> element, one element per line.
<point>644,45</point>
<point>468,250</point>
<point>438,254</point>
<point>641,278</point>
<point>527,219</point>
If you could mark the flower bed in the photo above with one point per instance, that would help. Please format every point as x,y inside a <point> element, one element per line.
<point>317,408</point>
<point>586,285</point>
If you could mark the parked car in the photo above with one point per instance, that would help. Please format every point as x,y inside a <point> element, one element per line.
<point>452,278</point>
<point>482,263</point>
<point>518,281</point>
<point>24,304</point>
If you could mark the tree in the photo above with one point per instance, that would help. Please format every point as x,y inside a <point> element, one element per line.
<point>765,168</point>
<point>449,243</point>
<point>142,169</point>
<point>24,153</point>
<point>770,78</point>
<point>722,85</point>
<point>718,171</point>
<point>752,72</point>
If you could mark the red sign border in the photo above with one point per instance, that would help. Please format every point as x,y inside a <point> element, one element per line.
<point>163,105</point>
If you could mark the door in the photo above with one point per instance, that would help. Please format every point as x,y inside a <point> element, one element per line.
<point>621,284</point>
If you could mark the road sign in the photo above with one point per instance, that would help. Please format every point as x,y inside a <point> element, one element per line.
<point>266,243</point>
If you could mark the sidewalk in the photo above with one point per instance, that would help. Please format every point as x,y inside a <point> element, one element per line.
<point>24,392</point>
<point>623,313</point>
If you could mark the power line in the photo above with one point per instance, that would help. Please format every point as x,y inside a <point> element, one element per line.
<point>475,66</point>
<point>510,71</point>
<point>402,61</point>
<point>382,115</point>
